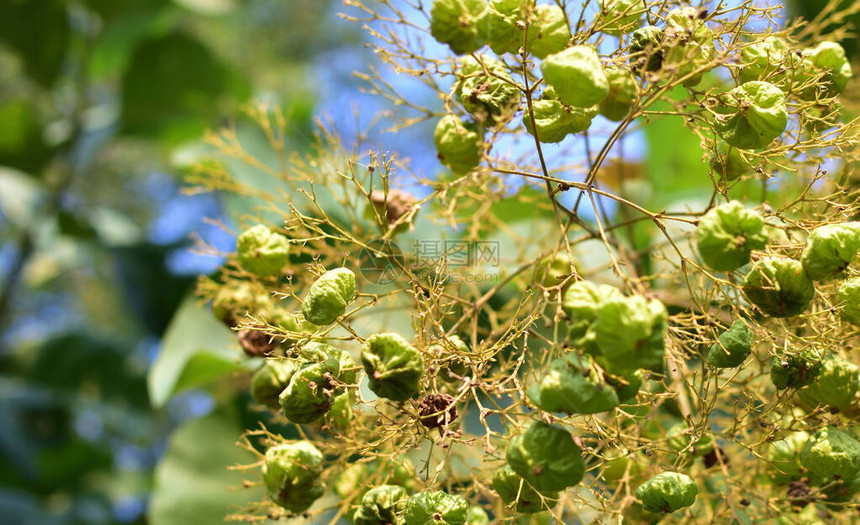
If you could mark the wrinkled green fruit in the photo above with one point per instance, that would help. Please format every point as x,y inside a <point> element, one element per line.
<point>831,453</point>
<point>573,385</point>
<point>629,333</point>
<point>830,249</point>
<point>626,386</point>
<point>849,301</point>
<point>292,474</point>
<point>646,53</point>
<point>547,457</point>
<point>436,508</point>
<point>732,347</point>
<point>623,90</point>
<point>327,298</point>
<point>507,25</point>
<point>577,76</point>
<point>487,91</point>
<point>552,270</point>
<point>393,366</point>
<point>752,115</point>
<point>321,378</point>
<point>667,492</point>
<point>582,300</point>
<point>262,251</point>
<point>617,466</point>
<point>728,163</point>
<point>680,440</point>
<point>477,516</point>
<point>688,45</point>
<point>383,505</point>
<point>619,16</point>
<point>458,144</point>
<point>727,234</point>
<point>236,299</point>
<point>554,121</point>
<point>835,385</point>
<point>795,370</point>
<point>767,60</point>
<point>515,491</point>
<point>779,287</point>
<point>462,24</point>
<point>784,457</point>
<point>548,31</point>
<point>271,379</point>
<point>830,58</point>
<point>341,412</point>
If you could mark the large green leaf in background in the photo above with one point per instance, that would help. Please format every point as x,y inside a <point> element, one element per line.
<point>193,485</point>
<point>192,332</point>
<point>39,31</point>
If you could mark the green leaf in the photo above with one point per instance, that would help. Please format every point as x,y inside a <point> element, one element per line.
<point>193,485</point>
<point>39,32</point>
<point>192,331</point>
<point>204,369</point>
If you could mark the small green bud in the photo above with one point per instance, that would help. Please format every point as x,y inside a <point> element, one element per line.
<point>667,492</point>
<point>393,366</point>
<point>262,251</point>
<point>327,298</point>
<point>577,76</point>
<point>778,286</point>
<point>546,457</point>
<point>732,347</point>
<point>292,474</point>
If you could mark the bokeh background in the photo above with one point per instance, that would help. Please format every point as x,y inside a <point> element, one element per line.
<point>119,399</point>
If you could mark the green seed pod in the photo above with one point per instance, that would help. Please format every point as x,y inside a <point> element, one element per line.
<point>383,505</point>
<point>667,492</point>
<point>752,115</point>
<point>622,94</point>
<point>462,24</point>
<point>784,457</point>
<point>829,250</point>
<point>765,60</point>
<point>341,413</point>
<point>646,52</point>
<point>835,385</point>
<point>732,347</point>
<point>688,45</point>
<point>548,31</point>
<point>830,57</point>
<point>458,144</point>
<point>583,299</point>
<point>507,23</point>
<point>577,76</point>
<point>313,387</point>
<point>680,440</point>
<point>555,121</point>
<point>327,298</point>
<point>487,91</point>
<point>626,386</point>
<point>552,270</point>
<point>620,16</point>
<point>271,379</point>
<point>352,479</point>
<point>629,333</point>
<point>477,516</point>
<point>573,385</point>
<point>831,453</point>
<point>262,251</point>
<point>436,508</point>
<point>727,234</point>
<point>547,457</point>
<point>292,474</point>
<point>513,489</point>
<point>778,286</point>
<point>795,370</point>
<point>236,299</point>
<point>393,366</point>
<point>849,301</point>
<point>617,466</point>
<point>728,163</point>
